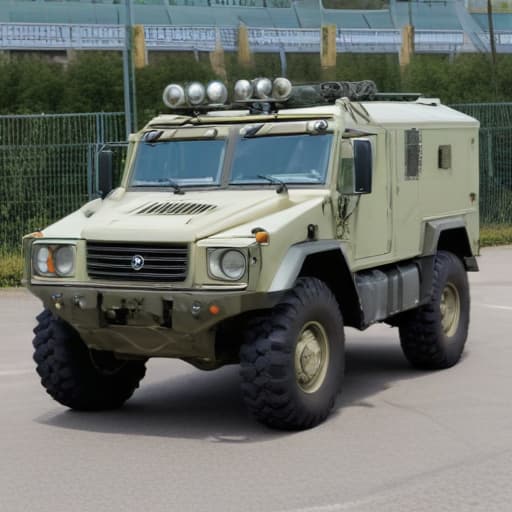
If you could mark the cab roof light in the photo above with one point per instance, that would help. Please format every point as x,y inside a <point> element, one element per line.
<point>174,96</point>
<point>264,96</point>
<point>196,93</point>
<point>217,92</point>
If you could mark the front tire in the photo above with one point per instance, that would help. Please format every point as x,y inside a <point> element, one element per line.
<point>77,377</point>
<point>292,359</point>
<point>433,336</point>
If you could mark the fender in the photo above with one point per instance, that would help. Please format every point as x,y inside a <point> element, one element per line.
<point>326,260</point>
<point>449,234</point>
<point>292,263</point>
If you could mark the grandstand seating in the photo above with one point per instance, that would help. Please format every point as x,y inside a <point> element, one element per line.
<point>427,15</point>
<point>500,21</point>
<point>437,22</point>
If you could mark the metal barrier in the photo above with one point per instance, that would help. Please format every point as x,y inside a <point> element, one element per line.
<point>41,36</point>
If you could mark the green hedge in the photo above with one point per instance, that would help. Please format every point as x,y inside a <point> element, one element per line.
<point>93,81</point>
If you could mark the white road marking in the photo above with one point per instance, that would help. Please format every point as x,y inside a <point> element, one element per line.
<point>20,371</point>
<point>495,306</point>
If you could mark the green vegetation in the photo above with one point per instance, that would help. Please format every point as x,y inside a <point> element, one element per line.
<point>92,82</point>
<point>496,234</point>
<point>11,269</point>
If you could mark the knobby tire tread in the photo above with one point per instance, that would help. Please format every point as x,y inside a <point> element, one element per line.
<point>68,374</point>
<point>265,354</point>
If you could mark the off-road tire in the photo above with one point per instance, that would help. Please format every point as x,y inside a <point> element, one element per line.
<point>425,342</point>
<point>270,384</point>
<point>71,374</point>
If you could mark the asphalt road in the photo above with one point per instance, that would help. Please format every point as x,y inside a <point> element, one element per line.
<point>399,439</point>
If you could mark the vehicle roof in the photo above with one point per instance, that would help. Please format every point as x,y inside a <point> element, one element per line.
<point>425,112</point>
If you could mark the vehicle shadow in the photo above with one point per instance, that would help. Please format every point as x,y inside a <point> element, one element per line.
<point>208,406</point>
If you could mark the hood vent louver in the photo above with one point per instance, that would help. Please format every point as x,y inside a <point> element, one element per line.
<point>173,208</point>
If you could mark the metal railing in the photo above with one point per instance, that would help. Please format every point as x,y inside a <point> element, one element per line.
<point>42,36</point>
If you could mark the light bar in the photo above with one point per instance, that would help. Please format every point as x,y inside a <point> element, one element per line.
<point>215,94</point>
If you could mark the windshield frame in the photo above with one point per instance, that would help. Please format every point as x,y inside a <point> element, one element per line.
<point>257,183</point>
<point>231,136</point>
<point>166,185</point>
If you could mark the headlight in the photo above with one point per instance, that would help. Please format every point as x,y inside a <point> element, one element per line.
<point>230,264</point>
<point>42,259</point>
<point>64,259</point>
<point>53,260</point>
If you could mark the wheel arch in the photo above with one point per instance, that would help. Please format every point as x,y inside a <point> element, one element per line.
<point>449,235</point>
<point>326,261</point>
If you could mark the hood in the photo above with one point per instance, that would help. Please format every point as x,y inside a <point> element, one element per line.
<point>160,216</point>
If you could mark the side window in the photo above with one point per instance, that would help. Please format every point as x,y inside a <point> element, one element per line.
<point>413,154</point>
<point>444,157</point>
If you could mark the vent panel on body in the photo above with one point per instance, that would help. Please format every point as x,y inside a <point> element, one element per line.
<point>174,208</point>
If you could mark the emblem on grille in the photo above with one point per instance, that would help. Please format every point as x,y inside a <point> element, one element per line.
<point>137,262</point>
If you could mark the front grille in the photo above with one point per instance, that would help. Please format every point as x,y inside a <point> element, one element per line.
<point>119,261</point>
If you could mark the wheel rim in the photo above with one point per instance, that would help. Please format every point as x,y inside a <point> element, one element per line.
<point>311,357</point>
<point>450,309</point>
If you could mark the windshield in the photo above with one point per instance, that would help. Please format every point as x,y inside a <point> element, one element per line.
<point>185,163</point>
<point>288,158</point>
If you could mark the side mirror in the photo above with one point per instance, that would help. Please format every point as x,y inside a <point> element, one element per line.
<point>356,170</point>
<point>362,167</point>
<point>105,172</point>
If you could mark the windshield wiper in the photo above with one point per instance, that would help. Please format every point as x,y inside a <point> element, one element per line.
<point>177,189</point>
<point>282,185</point>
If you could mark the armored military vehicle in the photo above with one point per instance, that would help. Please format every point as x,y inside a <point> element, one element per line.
<point>252,232</point>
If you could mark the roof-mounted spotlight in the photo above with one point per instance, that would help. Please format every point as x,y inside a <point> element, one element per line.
<point>243,90</point>
<point>217,92</point>
<point>174,96</point>
<point>281,89</point>
<point>196,93</point>
<point>262,88</point>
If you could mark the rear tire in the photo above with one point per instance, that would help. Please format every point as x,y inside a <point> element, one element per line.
<point>292,359</point>
<point>433,336</point>
<point>77,377</point>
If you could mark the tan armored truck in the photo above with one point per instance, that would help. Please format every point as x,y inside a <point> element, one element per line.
<point>252,233</point>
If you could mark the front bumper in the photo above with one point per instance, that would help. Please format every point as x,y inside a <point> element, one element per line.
<point>149,322</point>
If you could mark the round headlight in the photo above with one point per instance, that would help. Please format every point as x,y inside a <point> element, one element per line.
<point>217,92</point>
<point>174,96</point>
<point>281,89</point>
<point>243,90</point>
<point>64,260</point>
<point>41,259</point>
<point>232,264</point>
<point>262,88</point>
<point>196,93</point>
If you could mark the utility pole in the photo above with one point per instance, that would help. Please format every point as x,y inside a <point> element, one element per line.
<point>492,42</point>
<point>130,104</point>
<point>491,32</point>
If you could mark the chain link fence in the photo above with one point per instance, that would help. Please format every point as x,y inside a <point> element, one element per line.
<point>47,165</point>
<point>47,168</point>
<point>495,160</point>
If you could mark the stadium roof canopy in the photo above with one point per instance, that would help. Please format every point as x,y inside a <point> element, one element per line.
<point>430,15</point>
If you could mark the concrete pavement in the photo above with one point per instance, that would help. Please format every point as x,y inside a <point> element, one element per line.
<point>399,439</point>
